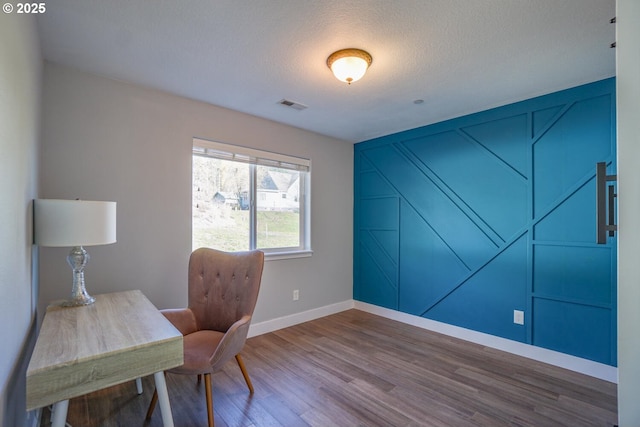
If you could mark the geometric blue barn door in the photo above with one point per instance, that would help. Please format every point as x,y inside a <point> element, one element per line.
<point>574,278</point>
<point>469,220</point>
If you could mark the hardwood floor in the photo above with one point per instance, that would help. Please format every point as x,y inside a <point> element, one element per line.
<point>357,369</point>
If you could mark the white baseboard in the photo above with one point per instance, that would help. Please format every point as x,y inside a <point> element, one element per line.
<point>294,319</point>
<point>576,364</point>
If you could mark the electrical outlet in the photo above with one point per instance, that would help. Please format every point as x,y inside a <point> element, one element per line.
<point>296,295</point>
<point>518,317</point>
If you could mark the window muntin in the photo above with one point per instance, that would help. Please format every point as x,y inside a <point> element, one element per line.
<point>249,199</point>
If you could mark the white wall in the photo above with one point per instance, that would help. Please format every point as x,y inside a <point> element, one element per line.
<point>107,140</point>
<point>20,84</point>
<point>628,111</point>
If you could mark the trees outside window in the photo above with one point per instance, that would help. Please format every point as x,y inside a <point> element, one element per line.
<point>249,199</point>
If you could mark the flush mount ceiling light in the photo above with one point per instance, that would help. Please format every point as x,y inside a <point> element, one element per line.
<point>349,65</point>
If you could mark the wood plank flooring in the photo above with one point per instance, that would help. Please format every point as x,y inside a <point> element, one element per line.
<point>357,369</point>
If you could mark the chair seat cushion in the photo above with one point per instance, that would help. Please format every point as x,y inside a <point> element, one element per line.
<point>198,349</point>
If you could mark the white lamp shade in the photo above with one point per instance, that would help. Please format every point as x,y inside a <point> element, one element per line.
<point>349,69</point>
<point>74,222</point>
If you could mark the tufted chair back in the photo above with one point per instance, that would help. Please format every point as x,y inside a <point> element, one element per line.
<point>223,290</point>
<point>223,286</point>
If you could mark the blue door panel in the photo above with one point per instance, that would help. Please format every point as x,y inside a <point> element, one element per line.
<point>569,150</point>
<point>575,329</point>
<point>541,120</point>
<point>563,225</point>
<point>580,273</point>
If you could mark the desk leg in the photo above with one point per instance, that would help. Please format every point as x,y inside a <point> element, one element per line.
<point>59,413</point>
<point>163,399</point>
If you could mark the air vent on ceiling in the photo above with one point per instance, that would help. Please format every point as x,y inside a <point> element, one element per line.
<point>292,104</point>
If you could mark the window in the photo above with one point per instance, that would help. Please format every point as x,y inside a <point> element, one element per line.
<point>249,199</point>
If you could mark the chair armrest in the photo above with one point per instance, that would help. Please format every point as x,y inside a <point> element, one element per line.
<point>232,342</point>
<point>182,318</point>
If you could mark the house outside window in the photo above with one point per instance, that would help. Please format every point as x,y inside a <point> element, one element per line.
<point>249,199</point>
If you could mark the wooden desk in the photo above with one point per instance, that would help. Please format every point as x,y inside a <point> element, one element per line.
<point>121,337</point>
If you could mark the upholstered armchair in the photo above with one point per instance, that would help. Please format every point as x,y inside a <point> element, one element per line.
<point>223,289</point>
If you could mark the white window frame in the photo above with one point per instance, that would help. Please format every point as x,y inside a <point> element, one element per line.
<point>254,157</point>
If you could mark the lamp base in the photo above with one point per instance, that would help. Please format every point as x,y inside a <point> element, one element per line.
<point>77,259</point>
<point>88,300</point>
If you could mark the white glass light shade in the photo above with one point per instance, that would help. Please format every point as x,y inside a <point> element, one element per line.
<point>74,222</point>
<point>349,65</point>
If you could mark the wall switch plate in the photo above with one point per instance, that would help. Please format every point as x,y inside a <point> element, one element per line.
<point>518,317</point>
<point>296,295</point>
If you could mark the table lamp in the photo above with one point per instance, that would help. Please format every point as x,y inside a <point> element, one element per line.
<point>75,223</point>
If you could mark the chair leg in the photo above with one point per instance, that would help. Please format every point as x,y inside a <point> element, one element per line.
<point>208,392</point>
<point>244,372</point>
<point>152,404</point>
<point>199,378</point>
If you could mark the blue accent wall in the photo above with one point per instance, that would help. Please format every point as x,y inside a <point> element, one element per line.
<point>467,220</point>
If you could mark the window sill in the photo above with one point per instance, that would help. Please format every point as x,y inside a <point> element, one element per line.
<point>274,256</point>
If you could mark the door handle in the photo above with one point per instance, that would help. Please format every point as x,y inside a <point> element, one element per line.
<point>605,204</point>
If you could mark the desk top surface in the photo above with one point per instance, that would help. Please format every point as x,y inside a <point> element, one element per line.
<point>89,342</point>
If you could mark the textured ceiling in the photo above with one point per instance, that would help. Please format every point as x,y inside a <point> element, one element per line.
<point>459,56</point>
